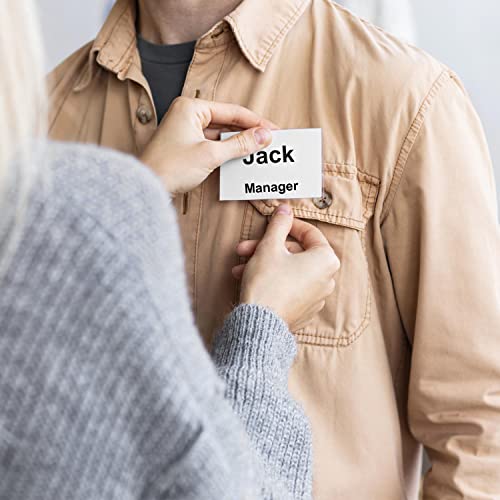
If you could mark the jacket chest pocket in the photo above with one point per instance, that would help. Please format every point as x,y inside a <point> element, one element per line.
<point>348,202</point>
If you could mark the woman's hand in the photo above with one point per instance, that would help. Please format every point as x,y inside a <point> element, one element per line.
<point>184,150</point>
<point>291,278</point>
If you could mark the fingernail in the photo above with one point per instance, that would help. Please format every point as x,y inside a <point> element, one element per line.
<point>283,210</point>
<point>262,136</point>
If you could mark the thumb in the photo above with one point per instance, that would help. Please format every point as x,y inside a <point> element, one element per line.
<point>243,144</point>
<point>280,225</point>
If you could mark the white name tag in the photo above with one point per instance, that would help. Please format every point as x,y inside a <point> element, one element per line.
<point>291,167</point>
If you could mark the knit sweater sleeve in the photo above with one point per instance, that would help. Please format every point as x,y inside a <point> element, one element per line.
<point>253,353</point>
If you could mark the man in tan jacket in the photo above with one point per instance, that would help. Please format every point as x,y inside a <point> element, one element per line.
<point>407,350</point>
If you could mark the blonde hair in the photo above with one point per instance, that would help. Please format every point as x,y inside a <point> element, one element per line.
<point>22,116</point>
<point>22,90</point>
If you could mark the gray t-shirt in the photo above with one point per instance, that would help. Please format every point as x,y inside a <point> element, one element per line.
<point>165,68</point>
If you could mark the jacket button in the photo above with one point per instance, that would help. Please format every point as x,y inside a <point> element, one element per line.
<point>144,114</point>
<point>324,202</point>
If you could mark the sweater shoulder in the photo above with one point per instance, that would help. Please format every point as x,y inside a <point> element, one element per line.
<point>115,190</point>
<point>115,206</point>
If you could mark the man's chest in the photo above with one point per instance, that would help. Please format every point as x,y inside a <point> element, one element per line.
<point>211,229</point>
<point>122,116</point>
<point>349,338</point>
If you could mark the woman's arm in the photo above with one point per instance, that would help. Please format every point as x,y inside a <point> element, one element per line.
<point>107,391</point>
<point>253,353</point>
<point>255,349</point>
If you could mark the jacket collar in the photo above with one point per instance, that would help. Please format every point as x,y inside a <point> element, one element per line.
<point>257,25</point>
<point>115,45</point>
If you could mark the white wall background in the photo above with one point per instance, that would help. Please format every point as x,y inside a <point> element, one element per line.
<point>68,24</point>
<point>464,34</point>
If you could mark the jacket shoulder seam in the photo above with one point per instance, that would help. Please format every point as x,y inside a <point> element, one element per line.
<point>82,52</point>
<point>411,138</point>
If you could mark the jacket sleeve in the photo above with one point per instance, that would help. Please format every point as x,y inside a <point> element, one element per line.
<point>442,243</point>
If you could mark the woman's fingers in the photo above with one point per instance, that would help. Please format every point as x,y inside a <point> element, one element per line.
<point>279,226</point>
<point>247,248</point>
<point>239,145</point>
<point>309,314</point>
<point>307,235</point>
<point>233,115</point>
<point>212,134</point>
<point>215,117</point>
<point>214,131</point>
<point>185,149</point>
<point>219,113</point>
<point>238,271</point>
<point>225,128</point>
<point>320,306</point>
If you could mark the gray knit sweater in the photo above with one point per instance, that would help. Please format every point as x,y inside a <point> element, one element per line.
<point>106,391</point>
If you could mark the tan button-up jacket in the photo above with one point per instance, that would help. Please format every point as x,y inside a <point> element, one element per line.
<point>407,350</point>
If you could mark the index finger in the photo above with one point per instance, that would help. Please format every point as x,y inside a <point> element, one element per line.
<point>233,115</point>
<point>307,235</point>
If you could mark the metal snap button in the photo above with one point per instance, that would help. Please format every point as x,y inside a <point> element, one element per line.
<point>144,114</point>
<point>324,202</point>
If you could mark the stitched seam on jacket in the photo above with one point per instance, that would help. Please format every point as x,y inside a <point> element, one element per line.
<point>198,228</point>
<point>321,340</point>
<point>362,178</point>
<point>97,47</point>
<point>52,89</point>
<point>128,52</point>
<point>108,37</point>
<point>219,74</point>
<point>262,61</point>
<point>313,339</point>
<point>190,69</point>
<point>107,40</point>
<point>410,140</point>
<point>84,118</point>
<point>331,218</point>
<point>241,41</point>
<point>369,200</point>
<point>280,35</point>
<point>245,234</point>
<point>195,253</point>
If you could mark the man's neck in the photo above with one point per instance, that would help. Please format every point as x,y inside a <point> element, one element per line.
<point>178,21</point>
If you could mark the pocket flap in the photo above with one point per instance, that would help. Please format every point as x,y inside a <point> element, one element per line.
<point>348,200</point>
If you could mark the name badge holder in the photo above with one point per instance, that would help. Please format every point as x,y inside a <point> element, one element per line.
<point>290,168</point>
